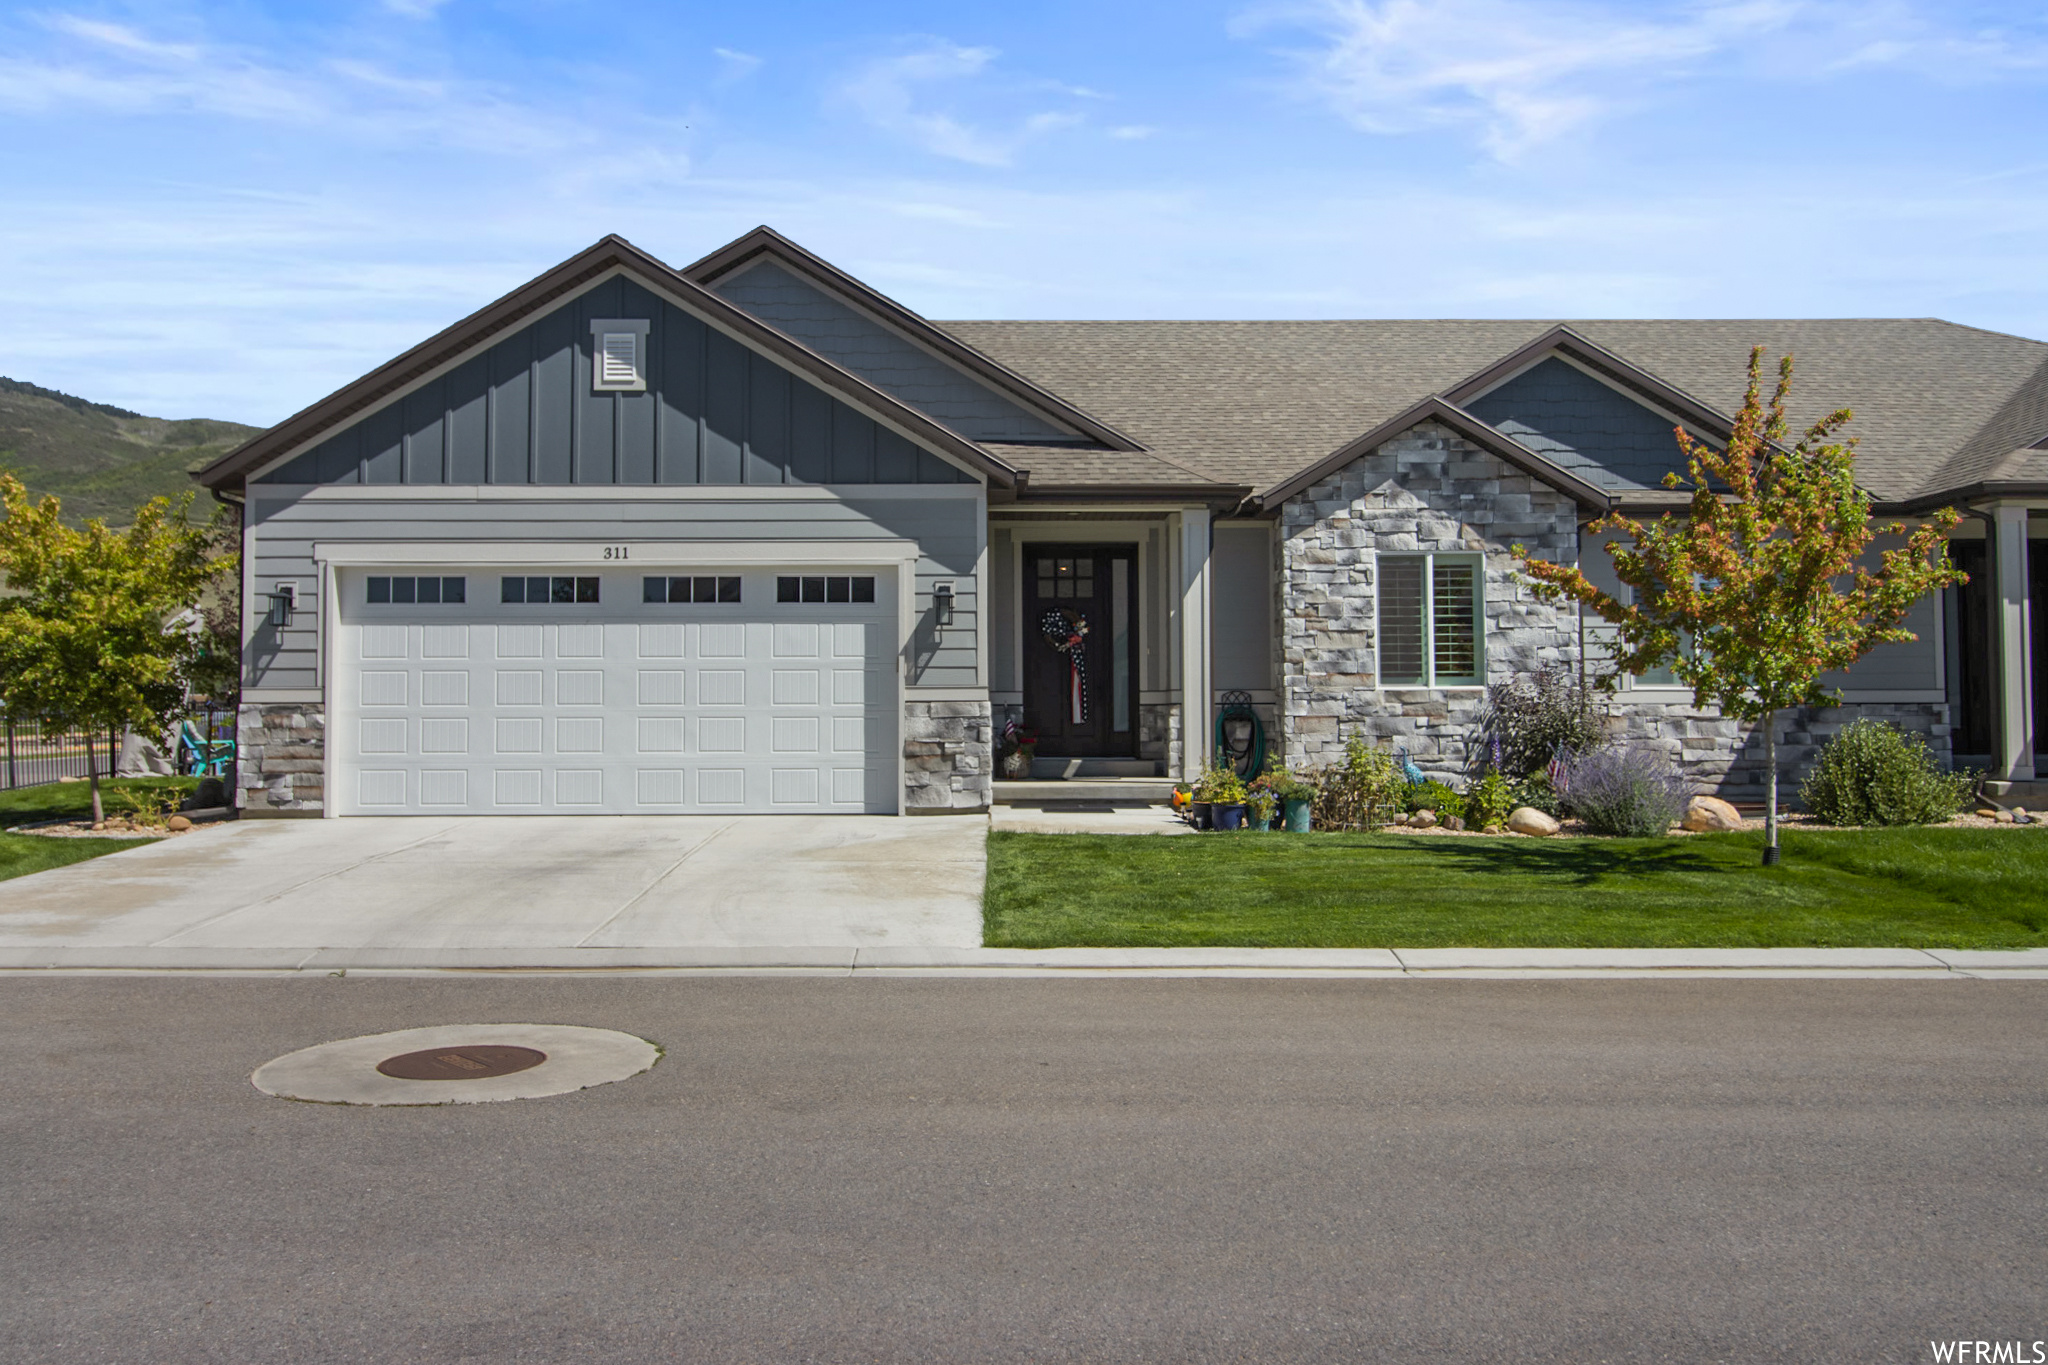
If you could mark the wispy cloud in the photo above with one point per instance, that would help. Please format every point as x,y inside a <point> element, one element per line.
<point>415,9</point>
<point>901,95</point>
<point>734,66</point>
<point>1521,73</point>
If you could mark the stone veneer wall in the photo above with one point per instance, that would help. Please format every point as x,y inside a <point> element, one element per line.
<point>280,759</point>
<point>1427,489</point>
<point>1159,733</point>
<point>948,756</point>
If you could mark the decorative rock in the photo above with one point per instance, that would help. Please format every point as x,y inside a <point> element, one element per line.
<point>1711,813</point>
<point>1454,822</point>
<point>178,824</point>
<point>69,778</point>
<point>1986,813</point>
<point>2005,817</point>
<point>1528,820</point>
<point>1422,819</point>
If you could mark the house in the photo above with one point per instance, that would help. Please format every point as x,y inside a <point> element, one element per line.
<point>750,536</point>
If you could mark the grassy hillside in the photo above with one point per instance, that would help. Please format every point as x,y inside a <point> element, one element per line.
<point>103,461</point>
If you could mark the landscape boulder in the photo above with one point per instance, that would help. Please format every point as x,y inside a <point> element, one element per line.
<point>1528,820</point>
<point>178,824</point>
<point>1711,813</point>
<point>1422,819</point>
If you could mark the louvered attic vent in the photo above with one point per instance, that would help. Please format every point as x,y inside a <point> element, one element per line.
<point>619,356</point>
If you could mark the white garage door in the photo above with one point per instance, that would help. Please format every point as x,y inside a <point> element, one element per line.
<point>487,692</point>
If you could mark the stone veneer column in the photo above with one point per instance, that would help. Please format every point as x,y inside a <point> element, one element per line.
<point>948,756</point>
<point>281,759</point>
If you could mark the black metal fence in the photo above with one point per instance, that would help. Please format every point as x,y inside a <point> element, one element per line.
<point>36,755</point>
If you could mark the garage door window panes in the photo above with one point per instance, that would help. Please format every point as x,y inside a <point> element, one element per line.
<point>697,588</point>
<point>555,589</point>
<point>409,589</point>
<point>825,588</point>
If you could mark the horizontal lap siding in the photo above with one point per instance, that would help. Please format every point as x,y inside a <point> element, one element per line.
<point>284,533</point>
<point>523,412</point>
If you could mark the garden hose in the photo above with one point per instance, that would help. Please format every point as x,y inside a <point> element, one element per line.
<point>1237,711</point>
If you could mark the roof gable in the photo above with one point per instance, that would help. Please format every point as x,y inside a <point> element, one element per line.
<point>1584,425</point>
<point>461,343</point>
<point>887,318</point>
<point>525,411</point>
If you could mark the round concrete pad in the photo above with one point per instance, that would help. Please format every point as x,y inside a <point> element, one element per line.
<point>346,1072</point>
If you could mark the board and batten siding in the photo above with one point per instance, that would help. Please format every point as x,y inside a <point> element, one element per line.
<point>524,412</point>
<point>1241,607</point>
<point>285,524</point>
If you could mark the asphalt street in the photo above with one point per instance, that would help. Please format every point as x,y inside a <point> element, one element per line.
<point>1044,1170</point>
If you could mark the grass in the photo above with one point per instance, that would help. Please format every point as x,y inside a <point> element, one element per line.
<point>1918,888</point>
<point>21,854</point>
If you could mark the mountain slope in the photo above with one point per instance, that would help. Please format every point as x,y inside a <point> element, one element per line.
<point>103,461</point>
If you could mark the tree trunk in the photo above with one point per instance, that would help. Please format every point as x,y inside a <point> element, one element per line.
<point>1770,788</point>
<point>92,776</point>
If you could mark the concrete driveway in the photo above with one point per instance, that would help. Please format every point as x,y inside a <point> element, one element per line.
<point>540,892</point>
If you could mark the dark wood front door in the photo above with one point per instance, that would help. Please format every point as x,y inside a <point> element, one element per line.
<point>1081,699</point>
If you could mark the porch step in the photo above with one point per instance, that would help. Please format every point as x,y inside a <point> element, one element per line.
<point>2010,794</point>
<point>1116,791</point>
<point>1067,769</point>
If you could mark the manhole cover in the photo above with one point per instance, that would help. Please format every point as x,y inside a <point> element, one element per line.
<point>473,1062</point>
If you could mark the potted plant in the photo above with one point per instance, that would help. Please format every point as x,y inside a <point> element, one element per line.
<point>1226,796</point>
<point>1015,750</point>
<point>1297,801</point>
<point>1261,802</point>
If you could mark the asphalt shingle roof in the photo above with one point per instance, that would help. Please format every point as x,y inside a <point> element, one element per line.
<point>1937,405</point>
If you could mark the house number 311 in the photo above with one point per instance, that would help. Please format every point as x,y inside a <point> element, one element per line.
<point>614,552</point>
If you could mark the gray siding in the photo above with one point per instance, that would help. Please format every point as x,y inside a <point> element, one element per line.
<point>1241,608</point>
<point>283,533</point>
<point>524,412</point>
<point>1560,411</point>
<point>1005,600</point>
<point>885,359</point>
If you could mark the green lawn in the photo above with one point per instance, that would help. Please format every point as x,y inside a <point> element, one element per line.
<point>21,854</point>
<point>1925,888</point>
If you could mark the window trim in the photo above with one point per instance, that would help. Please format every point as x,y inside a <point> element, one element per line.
<point>1477,562</point>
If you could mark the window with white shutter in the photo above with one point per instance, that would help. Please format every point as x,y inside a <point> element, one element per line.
<point>1430,621</point>
<point>618,360</point>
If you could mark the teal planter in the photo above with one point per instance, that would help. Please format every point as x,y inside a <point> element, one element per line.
<point>1298,817</point>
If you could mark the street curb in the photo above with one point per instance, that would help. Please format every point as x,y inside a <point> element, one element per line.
<point>1934,964</point>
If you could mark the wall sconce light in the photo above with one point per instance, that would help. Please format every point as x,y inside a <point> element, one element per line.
<point>284,600</point>
<point>942,603</point>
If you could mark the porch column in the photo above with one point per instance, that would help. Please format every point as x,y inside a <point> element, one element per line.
<point>1194,641</point>
<point>2013,614</point>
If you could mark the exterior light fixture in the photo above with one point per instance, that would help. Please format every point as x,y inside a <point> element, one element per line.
<point>942,603</point>
<point>284,600</point>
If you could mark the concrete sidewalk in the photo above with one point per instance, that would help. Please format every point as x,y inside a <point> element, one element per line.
<point>991,963</point>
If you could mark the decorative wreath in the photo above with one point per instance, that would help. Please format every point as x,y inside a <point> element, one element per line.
<point>1066,630</point>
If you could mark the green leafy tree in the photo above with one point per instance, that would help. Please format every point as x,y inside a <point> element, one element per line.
<point>91,635</point>
<point>1757,590</point>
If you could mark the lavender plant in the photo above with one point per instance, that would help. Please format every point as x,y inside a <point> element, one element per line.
<point>1631,790</point>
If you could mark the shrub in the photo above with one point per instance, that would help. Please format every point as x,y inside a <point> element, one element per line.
<point>1432,795</point>
<point>1629,791</point>
<point>1488,801</point>
<point>1220,785</point>
<point>1873,773</point>
<point>1362,792</point>
<point>1529,721</point>
<point>1537,792</point>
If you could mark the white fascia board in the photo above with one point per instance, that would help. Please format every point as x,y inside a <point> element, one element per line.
<point>484,344</point>
<point>664,553</point>
<point>609,492</point>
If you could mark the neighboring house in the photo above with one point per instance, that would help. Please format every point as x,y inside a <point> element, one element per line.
<point>748,536</point>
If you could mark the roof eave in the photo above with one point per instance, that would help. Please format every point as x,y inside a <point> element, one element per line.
<point>766,241</point>
<point>530,298</point>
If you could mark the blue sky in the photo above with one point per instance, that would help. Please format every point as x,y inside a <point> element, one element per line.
<point>230,209</point>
